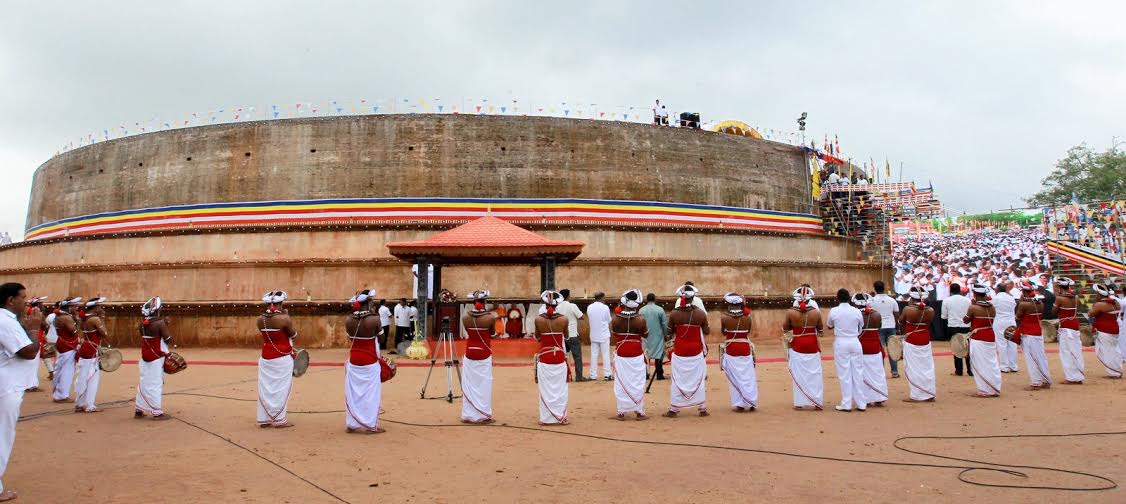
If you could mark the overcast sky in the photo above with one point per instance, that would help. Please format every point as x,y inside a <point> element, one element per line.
<point>979,97</point>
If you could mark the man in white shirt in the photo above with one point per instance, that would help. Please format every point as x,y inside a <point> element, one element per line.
<point>888,309</point>
<point>846,322</point>
<point>385,322</point>
<point>414,318</point>
<point>402,324</point>
<point>1006,317</point>
<point>574,344</point>
<point>598,314</point>
<point>18,371</point>
<point>954,313</point>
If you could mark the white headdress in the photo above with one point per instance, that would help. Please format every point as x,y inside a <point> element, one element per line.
<point>71,301</point>
<point>803,294</point>
<point>362,296</point>
<point>1103,290</point>
<point>732,298</point>
<point>551,298</point>
<point>861,299</point>
<point>980,289</point>
<point>917,293</point>
<point>151,306</point>
<point>479,295</point>
<point>687,291</point>
<point>95,302</point>
<point>1064,282</point>
<point>275,297</point>
<point>631,299</point>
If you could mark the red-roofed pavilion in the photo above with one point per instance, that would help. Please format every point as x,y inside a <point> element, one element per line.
<point>487,240</point>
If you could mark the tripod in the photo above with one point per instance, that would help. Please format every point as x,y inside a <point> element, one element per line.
<point>445,348</point>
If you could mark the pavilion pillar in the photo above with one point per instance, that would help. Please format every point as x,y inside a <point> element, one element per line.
<point>547,273</point>
<point>423,268</point>
<point>436,321</point>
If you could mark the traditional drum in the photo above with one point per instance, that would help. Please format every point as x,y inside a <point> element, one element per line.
<point>1086,336</point>
<point>174,363</point>
<point>49,351</point>
<point>1010,333</point>
<point>1050,330</point>
<point>895,347</point>
<point>387,369</point>
<point>109,359</point>
<point>300,363</point>
<point>959,345</point>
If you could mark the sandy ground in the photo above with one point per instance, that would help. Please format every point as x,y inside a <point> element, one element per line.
<point>110,457</point>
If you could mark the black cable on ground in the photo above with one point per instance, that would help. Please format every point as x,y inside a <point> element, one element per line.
<point>1110,484</point>
<point>271,462</point>
<point>965,470</point>
<point>1006,469</point>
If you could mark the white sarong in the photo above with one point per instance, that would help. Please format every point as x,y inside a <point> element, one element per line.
<point>847,355</point>
<point>275,382</point>
<point>87,378</point>
<point>919,364</point>
<point>553,392</point>
<point>477,389</point>
<point>875,382</point>
<point>1106,349</point>
<point>629,384</point>
<point>363,392</point>
<point>987,372</point>
<point>150,390</point>
<point>1006,350</point>
<point>1071,354</point>
<point>687,388</point>
<point>809,386</point>
<point>742,381</point>
<point>1036,360</point>
<point>9,414</point>
<point>64,375</point>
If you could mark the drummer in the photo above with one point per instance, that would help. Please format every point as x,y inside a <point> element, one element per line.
<point>89,372</point>
<point>154,349</point>
<point>275,367</point>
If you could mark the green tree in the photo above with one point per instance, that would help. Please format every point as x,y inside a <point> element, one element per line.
<point>1090,175</point>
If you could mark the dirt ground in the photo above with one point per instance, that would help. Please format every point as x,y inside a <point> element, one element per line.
<point>60,456</point>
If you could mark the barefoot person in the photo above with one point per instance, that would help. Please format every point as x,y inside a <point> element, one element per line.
<point>875,381</point>
<point>477,366</point>
<point>89,373</point>
<point>363,388</point>
<point>804,354</point>
<point>983,347</point>
<point>1030,338</point>
<point>628,328</point>
<point>1006,306</point>
<point>33,324</point>
<point>688,324</point>
<point>17,371</point>
<point>155,337</point>
<point>737,362</point>
<point>275,366</point>
<point>552,371</point>
<point>1104,322</point>
<point>1070,345</point>
<point>66,327</point>
<point>51,335</point>
<point>846,322</point>
<point>917,357</point>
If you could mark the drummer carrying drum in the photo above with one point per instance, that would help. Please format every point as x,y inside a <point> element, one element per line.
<point>275,367</point>
<point>155,356</point>
<point>89,372</point>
